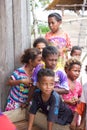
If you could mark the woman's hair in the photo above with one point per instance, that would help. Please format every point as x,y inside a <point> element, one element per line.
<point>30,53</point>
<point>44,72</point>
<point>75,48</point>
<point>49,50</point>
<point>38,40</point>
<point>69,63</point>
<point>56,15</point>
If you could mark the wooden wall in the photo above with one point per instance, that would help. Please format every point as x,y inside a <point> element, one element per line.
<point>14,38</point>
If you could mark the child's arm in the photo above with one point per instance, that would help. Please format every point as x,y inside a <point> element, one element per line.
<point>49,125</point>
<point>31,120</point>
<point>61,90</point>
<point>12,82</point>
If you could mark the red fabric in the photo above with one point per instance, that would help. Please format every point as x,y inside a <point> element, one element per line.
<point>80,108</point>
<point>6,124</point>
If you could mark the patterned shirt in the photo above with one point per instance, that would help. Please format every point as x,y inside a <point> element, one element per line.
<point>18,93</point>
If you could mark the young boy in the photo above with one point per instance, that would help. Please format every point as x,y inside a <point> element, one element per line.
<point>49,101</point>
<point>50,56</point>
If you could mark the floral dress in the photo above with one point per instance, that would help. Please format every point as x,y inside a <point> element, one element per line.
<point>61,41</point>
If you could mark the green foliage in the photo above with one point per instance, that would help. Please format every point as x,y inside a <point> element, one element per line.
<point>43,28</point>
<point>44,2</point>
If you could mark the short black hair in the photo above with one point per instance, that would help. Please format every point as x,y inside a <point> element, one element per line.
<point>49,50</point>
<point>44,72</point>
<point>38,40</point>
<point>75,48</point>
<point>56,15</point>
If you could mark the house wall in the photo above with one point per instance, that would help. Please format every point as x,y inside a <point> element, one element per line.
<point>14,38</point>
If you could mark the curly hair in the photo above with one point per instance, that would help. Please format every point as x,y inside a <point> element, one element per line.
<point>69,63</point>
<point>30,53</point>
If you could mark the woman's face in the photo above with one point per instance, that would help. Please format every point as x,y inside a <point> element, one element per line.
<point>53,24</point>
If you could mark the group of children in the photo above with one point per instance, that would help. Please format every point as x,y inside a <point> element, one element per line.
<point>52,77</point>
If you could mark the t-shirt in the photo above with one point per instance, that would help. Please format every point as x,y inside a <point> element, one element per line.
<point>61,82</point>
<point>18,93</point>
<point>56,110</point>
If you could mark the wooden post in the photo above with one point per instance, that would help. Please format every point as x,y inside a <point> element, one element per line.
<point>14,38</point>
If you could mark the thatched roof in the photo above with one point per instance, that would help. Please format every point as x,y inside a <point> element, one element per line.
<point>67,4</point>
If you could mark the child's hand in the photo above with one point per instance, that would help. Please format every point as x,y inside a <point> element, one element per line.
<point>80,128</point>
<point>26,81</point>
<point>74,101</point>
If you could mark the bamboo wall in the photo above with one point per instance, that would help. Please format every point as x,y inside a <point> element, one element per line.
<point>14,38</point>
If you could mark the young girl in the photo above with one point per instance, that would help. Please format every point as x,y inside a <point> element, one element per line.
<point>81,110</point>
<point>40,43</point>
<point>58,37</point>
<point>72,69</point>
<point>20,79</point>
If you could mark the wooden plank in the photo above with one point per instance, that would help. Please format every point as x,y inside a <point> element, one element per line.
<point>16,115</point>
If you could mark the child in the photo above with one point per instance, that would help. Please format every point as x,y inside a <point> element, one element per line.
<point>50,56</point>
<point>49,101</point>
<point>81,111</point>
<point>76,52</point>
<point>58,38</point>
<point>72,69</point>
<point>5,123</point>
<point>40,43</point>
<point>20,79</point>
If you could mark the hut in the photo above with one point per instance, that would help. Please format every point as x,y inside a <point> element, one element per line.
<point>67,4</point>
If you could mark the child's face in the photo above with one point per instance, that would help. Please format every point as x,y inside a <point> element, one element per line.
<point>37,60</point>
<point>51,61</point>
<point>74,72</point>
<point>77,54</point>
<point>53,24</point>
<point>40,46</point>
<point>46,84</point>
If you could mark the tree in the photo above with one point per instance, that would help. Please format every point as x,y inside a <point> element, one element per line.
<point>35,4</point>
